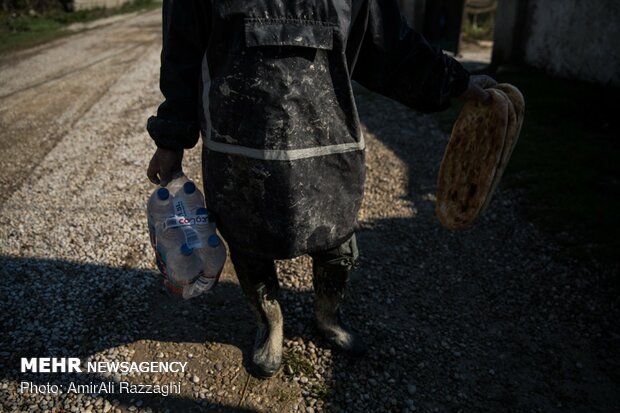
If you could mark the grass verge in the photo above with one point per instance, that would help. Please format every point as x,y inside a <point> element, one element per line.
<point>320,391</point>
<point>479,27</point>
<point>18,31</point>
<point>299,364</point>
<point>566,161</point>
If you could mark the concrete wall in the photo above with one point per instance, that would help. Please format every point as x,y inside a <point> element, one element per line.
<point>91,4</point>
<point>573,38</point>
<point>505,39</point>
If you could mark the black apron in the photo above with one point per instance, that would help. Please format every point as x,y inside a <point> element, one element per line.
<point>284,161</point>
<point>283,151</point>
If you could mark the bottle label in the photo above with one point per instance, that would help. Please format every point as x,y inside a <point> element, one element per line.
<point>181,221</point>
<point>202,219</point>
<point>186,223</point>
<point>179,208</point>
<point>180,285</point>
<point>191,238</point>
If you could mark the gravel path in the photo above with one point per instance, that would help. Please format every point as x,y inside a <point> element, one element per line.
<point>491,319</point>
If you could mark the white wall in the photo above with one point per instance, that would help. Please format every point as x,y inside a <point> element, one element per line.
<point>91,4</point>
<point>574,38</point>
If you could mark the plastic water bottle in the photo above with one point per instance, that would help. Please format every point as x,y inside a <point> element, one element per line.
<point>199,286</point>
<point>161,204</point>
<point>188,251</point>
<point>177,182</point>
<point>214,257</point>
<point>158,208</point>
<point>183,264</point>
<point>187,200</point>
<point>205,226</point>
<point>193,198</point>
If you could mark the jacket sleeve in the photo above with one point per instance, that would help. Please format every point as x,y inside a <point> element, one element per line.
<point>185,36</point>
<point>399,63</point>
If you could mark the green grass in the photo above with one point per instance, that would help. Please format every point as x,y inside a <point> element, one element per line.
<point>18,31</point>
<point>284,396</point>
<point>567,161</point>
<point>479,28</point>
<point>299,364</point>
<point>320,391</point>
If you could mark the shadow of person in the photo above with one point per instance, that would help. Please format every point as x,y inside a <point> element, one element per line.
<point>483,319</point>
<point>454,321</point>
<point>55,308</point>
<point>419,296</point>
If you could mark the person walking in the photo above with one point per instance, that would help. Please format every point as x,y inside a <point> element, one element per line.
<point>268,86</point>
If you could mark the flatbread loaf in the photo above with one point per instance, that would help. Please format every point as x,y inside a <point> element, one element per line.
<point>516,112</point>
<point>517,100</point>
<point>470,161</point>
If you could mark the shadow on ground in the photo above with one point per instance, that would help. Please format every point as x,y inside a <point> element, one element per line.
<point>493,318</point>
<point>104,322</point>
<point>489,319</point>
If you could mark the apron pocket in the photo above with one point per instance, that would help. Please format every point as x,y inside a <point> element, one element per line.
<point>289,32</point>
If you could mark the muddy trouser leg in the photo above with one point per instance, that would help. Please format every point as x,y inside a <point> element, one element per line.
<point>259,282</point>
<point>331,271</point>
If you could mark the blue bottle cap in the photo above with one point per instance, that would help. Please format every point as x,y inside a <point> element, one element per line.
<point>214,241</point>
<point>186,250</point>
<point>163,194</point>
<point>189,187</point>
<point>202,211</point>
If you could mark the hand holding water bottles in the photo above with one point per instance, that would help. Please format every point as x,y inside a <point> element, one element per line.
<point>188,250</point>
<point>164,164</point>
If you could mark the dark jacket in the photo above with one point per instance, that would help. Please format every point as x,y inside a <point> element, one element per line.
<point>284,154</point>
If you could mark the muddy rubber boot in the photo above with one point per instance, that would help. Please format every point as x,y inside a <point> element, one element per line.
<point>261,297</point>
<point>331,273</point>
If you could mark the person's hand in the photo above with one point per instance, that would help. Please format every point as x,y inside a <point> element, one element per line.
<point>476,89</point>
<point>164,164</point>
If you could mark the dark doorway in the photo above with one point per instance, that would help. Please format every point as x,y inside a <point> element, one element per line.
<point>463,28</point>
<point>442,23</point>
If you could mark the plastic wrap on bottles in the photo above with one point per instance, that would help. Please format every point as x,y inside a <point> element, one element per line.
<point>189,253</point>
<point>159,208</point>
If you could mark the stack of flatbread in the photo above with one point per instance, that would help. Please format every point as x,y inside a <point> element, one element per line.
<point>480,147</point>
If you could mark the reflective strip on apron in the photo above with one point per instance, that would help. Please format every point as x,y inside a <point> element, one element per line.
<point>265,154</point>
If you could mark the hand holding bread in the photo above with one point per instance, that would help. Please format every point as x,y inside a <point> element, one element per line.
<point>480,146</point>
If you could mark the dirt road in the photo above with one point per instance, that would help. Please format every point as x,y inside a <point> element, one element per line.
<point>492,319</point>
